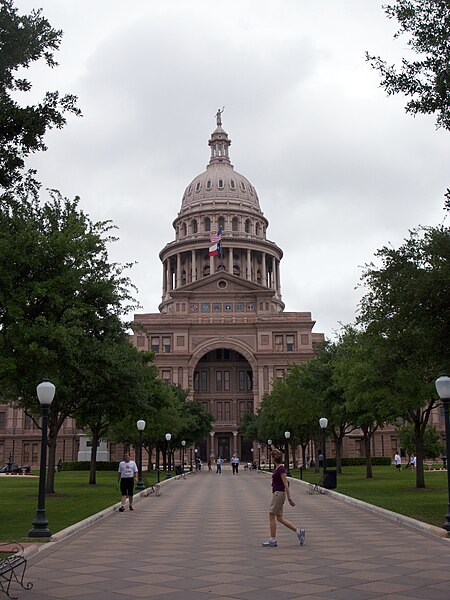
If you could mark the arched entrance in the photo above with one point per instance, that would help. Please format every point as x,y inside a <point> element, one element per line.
<point>223,381</point>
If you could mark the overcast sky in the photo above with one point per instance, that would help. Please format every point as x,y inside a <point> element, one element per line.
<point>340,169</point>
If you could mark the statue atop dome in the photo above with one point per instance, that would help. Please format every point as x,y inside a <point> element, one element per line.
<point>219,116</point>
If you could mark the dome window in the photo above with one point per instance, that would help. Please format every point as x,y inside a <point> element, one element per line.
<point>232,184</point>
<point>189,189</point>
<point>221,223</point>
<point>247,226</point>
<point>251,189</point>
<point>258,229</point>
<point>235,224</point>
<point>209,184</point>
<point>221,186</point>
<point>207,224</point>
<point>194,226</point>
<point>198,186</point>
<point>242,184</point>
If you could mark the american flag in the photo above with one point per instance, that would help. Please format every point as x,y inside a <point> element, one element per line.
<point>216,237</point>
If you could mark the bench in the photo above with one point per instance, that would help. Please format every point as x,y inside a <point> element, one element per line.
<point>12,567</point>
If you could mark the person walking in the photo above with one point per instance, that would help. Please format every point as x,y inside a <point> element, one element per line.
<point>235,464</point>
<point>219,466</point>
<point>398,461</point>
<point>127,474</point>
<point>280,491</point>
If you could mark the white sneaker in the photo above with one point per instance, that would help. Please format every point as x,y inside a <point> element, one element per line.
<point>301,536</point>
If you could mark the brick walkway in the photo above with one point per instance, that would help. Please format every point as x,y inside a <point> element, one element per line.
<point>202,540</point>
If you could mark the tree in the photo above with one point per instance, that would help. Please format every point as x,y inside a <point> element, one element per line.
<point>24,40</point>
<point>407,310</point>
<point>432,443</point>
<point>427,79</point>
<point>57,297</point>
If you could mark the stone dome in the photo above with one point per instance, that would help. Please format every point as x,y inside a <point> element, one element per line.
<point>220,184</point>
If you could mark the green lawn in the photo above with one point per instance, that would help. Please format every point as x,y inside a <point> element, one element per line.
<point>74,500</point>
<point>394,491</point>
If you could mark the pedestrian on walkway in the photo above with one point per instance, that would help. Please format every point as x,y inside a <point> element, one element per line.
<point>280,491</point>
<point>219,466</point>
<point>235,464</point>
<point>127,473</point>
<point>398,461</point>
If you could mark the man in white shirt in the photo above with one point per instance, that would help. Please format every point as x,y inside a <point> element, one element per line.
<point>127,473</point>
<point>235,464</point>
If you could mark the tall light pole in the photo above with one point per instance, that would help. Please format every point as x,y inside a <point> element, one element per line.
<point>323,422</point>
<point>183,444</point>
<point>168,472</point>
<point>269,443</point>
<point>141,426</point>
<point>259,457</point>
<point>45,393</point>
<point>287,435</point>
<point>443,389</point>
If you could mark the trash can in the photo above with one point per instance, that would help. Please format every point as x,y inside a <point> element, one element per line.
<point>178,470</point>
<point>330,480</point>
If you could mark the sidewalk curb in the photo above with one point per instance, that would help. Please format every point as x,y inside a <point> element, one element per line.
<point>383,512</point>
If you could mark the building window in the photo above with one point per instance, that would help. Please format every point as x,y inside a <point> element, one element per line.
<point>232,184</point>
<point>247,226</point>
<point>209,184</point>
<point>241,381</point>
<point>2,421</point>
<point>218,381</point>
<point>235,224</point>
<point>220,184</point>
<point>242,184</point>
<point>198,186</point>
<point>227,411</point>
<point>165,375</point>
<point>279,373</point>
<point>249,380</point>
<point>155,344</point>
<point>290,343</point>
<point>196,381</point>
<point>279,347</point>
<point>207,224</point>
<point>221,223</point>
<point>219,409</point>
<point>204,381</point>
<point>166,344</point>
<point>226,381</point>
<point>140,341</point>
<point>194,226</point>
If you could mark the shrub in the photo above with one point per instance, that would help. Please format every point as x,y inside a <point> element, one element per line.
<point>85,465</point>
<point>360,461</point>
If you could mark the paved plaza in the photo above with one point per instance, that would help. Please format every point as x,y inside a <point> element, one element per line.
<point>201,539</point>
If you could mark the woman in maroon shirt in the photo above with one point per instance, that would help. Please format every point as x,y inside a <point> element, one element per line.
<point>280,491</point>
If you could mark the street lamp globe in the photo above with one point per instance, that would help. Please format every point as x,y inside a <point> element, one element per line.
<point>45,392</point>
<point>183,442</point>
<point>287,435</point>
<point>168,436</point>
<point>140,424</point>
<point>323,422</point>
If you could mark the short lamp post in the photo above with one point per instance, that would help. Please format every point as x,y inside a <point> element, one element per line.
<point>141,426</point>
<point>287,435</point>
<point>196,461</point>
<point>259,457</point>
<point>169,469</point>
<point>45,393</point>
<point>323,422</point>
<point>269,443</point>
<point>443,390</point>
<point>183,444</point>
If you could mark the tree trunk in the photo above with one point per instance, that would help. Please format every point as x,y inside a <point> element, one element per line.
<point>338,446</point>
<point>93,465</point>
<point>367,438</point>
<point>420,472</point>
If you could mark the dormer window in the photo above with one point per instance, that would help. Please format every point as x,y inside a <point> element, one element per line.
<point>232,184</point>
<point>189,189</point>
<point>242,184</point>
<point>209,184</point>
<point>221,186</point>
<point>198,186</point>
<point>221,223</point>
<point>207,224</point>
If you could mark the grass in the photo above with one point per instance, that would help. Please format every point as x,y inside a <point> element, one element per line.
<point>73,501</point>
<point>394,491</point>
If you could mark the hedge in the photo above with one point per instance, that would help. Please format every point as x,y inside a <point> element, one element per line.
<point>360,461</point>
<point>85,465</point>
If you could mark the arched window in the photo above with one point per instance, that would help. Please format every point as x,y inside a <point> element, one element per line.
<point>209,184</point>
<point>258,229</point>
<point>220,184</point>
<point>198,186</point>
<point>207,224</point>
<point>206,270</point>
<point>194,226</point>
<point>232,184</point>
<point>242,184</point>
<point>184,230</point>
<point>236,270</point>
<point>247,226</point>
<point>235,224</point>
<point>221,223</point>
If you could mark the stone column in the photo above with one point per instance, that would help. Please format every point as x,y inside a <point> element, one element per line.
<point>249,265</point>
<point>212,451</point>
<point>230,261</point>
<point>263,270</point>
<point>235,434</point>
<point>178,273</point>
<point>193,266</point>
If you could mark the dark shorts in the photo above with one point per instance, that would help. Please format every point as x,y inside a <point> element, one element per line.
<point>127,486</point>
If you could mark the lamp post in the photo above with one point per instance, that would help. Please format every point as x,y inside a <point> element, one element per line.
<point>183,444</point>
<point>443,389</point>
<point>141,426</point>
<point>168,472</point>
<point>45,393</point>
<point>287,435</point>
<point>196,461</point>
<point>190,455</point>
<point>269,443</point>
<point>259,457</point>
<point>323,422</point>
